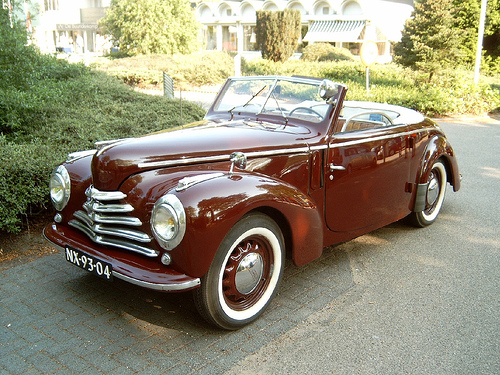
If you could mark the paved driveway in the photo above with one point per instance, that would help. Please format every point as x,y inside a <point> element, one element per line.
<point>398,300</point>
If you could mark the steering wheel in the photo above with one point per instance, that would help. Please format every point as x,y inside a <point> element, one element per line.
<point>306,109</point>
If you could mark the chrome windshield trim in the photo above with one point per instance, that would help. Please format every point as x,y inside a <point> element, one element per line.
<point>160,287</point>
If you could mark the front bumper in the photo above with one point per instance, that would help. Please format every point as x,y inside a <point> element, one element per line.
<point>132,268</point>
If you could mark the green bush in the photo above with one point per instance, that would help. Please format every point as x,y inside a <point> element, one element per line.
<point>42,124</point>
<point>197,69</point>
<point>278,33</point>
<point>452,92</point>
<point>325,52</point>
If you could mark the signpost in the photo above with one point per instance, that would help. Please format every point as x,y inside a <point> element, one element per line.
<point>369,54</point>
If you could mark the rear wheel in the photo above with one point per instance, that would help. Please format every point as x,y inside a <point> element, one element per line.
<point>436,189</point>
<point>244,274</point>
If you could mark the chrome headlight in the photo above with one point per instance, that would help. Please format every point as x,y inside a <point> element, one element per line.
<point>168,221</point>
<point>60,187</point>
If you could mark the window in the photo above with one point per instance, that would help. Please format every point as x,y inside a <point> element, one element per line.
<point>51,5</point>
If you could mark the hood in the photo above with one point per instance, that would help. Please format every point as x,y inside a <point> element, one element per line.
<point>200,143</point>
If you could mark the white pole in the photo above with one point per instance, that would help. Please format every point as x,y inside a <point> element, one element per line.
<point>480,37</point>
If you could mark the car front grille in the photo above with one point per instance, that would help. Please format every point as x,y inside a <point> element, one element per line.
<point>106,221</point>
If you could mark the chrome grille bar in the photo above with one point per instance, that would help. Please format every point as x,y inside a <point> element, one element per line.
<point>99,207</point>
<point>103,240</point>
<point>104,220</point>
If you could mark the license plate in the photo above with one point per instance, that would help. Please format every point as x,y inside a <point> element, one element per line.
<point>89,263</point>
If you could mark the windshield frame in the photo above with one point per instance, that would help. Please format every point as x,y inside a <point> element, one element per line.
<point>247,109</point>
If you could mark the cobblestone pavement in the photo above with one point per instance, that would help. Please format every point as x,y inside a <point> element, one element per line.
<point>55,318</point>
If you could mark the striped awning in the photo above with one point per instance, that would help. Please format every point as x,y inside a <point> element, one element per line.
<point>335,31</point>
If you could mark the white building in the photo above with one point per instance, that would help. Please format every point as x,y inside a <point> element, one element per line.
<point>69,25</point>
<point>230,25</point>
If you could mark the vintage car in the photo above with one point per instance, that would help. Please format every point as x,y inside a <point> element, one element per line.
<point>280,166</point>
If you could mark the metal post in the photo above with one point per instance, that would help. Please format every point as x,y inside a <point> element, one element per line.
<point>368,80</point>
<point>480,37</point>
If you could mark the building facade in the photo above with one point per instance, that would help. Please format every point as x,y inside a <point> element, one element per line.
<point>230,25</point>
<point>69,26</point>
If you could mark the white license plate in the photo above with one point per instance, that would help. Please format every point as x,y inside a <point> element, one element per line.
<point>89,263</point>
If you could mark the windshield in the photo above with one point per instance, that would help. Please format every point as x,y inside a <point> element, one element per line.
<point>284,97</point>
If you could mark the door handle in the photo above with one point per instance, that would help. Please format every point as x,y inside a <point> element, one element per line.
<point>334,167</point>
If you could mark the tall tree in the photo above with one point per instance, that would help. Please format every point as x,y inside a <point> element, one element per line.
<point>466,16</point>
<point>429,41</point>
<point>152,26</point>
<point>278,33</point>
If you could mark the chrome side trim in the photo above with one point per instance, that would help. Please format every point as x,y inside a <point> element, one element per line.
<point>74,156</point>
<point>379,138</point>
<point>208,159</point>
<point>187,182</point>
<point>160,287</point>
<point>103,240</point>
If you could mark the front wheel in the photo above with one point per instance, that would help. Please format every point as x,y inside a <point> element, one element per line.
<point>244,274</point>
<point>436,189</point>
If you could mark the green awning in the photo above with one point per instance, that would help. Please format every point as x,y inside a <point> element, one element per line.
<point>335,31</point>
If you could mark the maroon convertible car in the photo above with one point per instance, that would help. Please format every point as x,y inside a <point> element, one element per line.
<point>280,166</point>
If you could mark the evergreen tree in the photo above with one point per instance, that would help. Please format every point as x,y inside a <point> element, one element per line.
<point>429,42</point>
<point>278,33</point>
<point>152,26</point>
<point>466,16</point>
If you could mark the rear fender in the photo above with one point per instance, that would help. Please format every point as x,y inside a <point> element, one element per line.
<point>437,148</point>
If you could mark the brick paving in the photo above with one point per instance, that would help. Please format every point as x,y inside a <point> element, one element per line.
<point>55,318</point>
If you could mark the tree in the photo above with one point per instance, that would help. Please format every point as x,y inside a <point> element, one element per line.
<point>466,16</point>
<point>278,33</point>
<point>152,26</point>
<point>429,41</point>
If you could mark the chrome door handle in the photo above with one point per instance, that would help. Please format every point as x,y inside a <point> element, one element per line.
<point>334,167</point>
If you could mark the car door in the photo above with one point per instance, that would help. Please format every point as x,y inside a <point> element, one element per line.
<point>367,170</point>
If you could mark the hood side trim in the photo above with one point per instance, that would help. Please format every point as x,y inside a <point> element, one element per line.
<point>208,159</point>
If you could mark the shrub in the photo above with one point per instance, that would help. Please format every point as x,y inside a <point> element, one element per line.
<point>452,92</point>
<point>45,122</point>
<point>278,33</point>
<point>325,52</point>
<point>197,69</point>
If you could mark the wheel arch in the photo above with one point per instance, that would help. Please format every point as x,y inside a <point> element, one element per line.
<point>438,149</point>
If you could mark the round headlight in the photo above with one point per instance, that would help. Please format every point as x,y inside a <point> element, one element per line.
<point>168,221</point>
<point>165,222</point>
<point>60,187</point>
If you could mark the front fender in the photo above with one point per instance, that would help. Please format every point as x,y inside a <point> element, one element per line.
<point>214,206</point>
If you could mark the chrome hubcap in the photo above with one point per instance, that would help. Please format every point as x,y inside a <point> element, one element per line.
<point>249,273</point>
<point>432,190</point>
